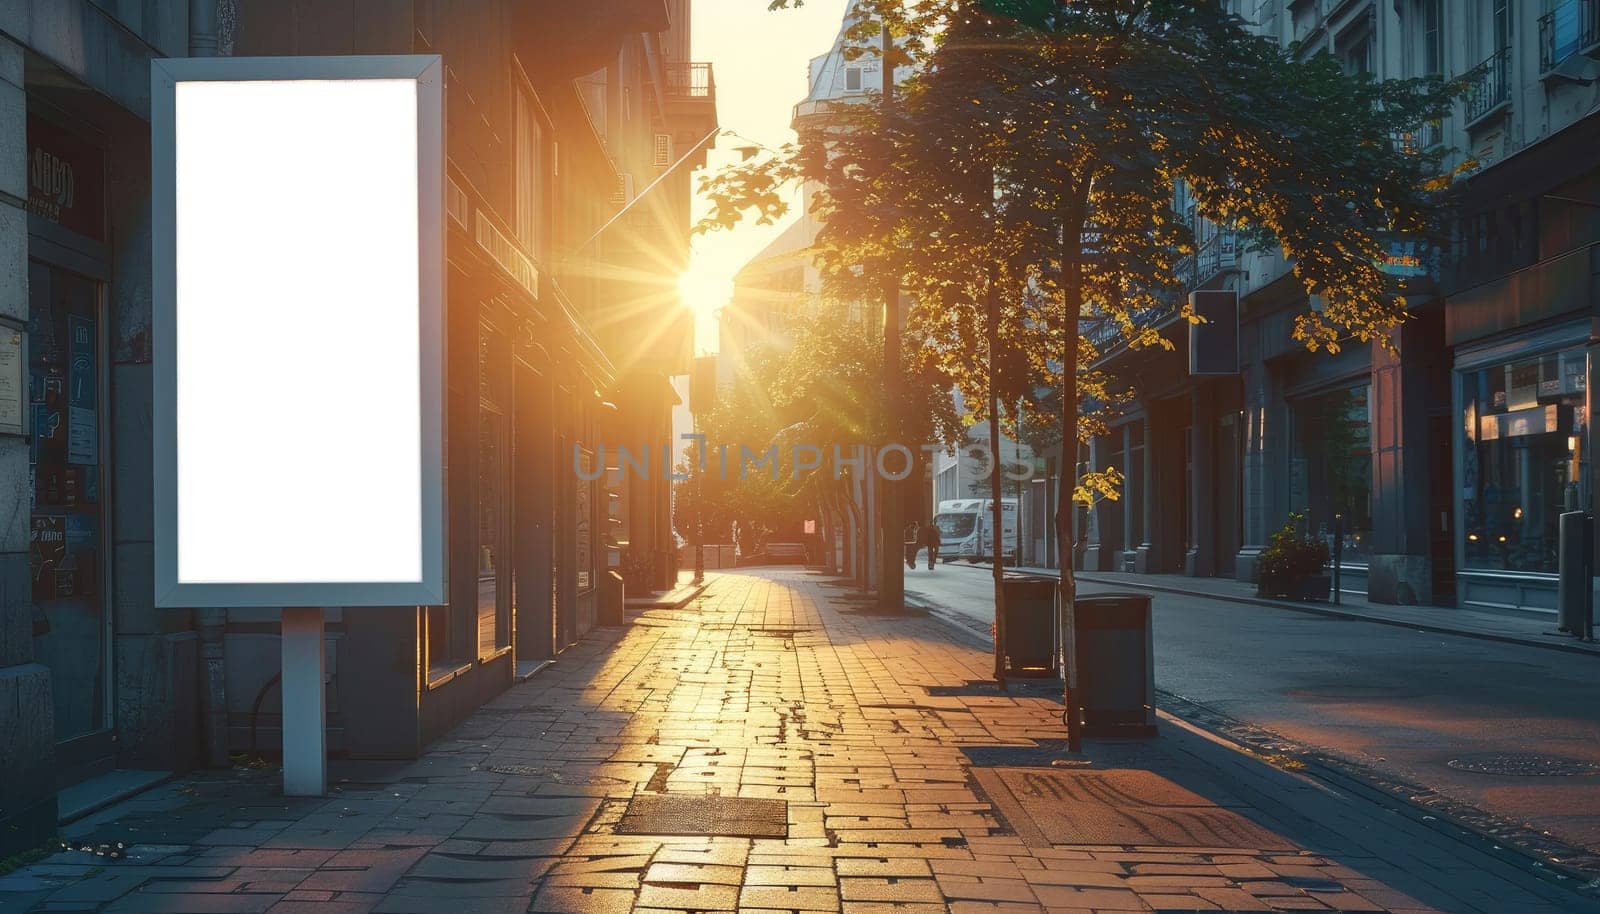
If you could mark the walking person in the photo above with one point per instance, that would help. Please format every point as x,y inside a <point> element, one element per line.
<point>931,539</point>
<point>912,536</point>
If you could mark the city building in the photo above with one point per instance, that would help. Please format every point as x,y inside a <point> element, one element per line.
<point>92,676</point>
<point>570,138</point>
<point>1440,470</point>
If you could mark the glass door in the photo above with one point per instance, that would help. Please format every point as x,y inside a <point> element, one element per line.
<point>67,544</point>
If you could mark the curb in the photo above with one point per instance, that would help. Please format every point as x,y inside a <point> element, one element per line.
<point>1563,866</point>
<point>1589,649</point>
<point>1576,647</point>
<point>1528,851</point>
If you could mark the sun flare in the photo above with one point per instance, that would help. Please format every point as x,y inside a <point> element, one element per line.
<point>704,292</point>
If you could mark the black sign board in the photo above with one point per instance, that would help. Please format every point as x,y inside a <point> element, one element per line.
<point>66,181</point>
<point>1214,343</point>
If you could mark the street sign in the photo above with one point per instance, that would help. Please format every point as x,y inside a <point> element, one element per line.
<point>298,331</point>
<point>1214,343</point>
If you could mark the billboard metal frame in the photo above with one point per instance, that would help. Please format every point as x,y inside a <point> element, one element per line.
<point>428,72</point>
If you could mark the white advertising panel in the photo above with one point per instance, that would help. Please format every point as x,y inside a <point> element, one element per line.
<point>298,331</point>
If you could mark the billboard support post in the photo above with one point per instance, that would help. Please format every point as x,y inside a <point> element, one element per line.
<point>305,738</point>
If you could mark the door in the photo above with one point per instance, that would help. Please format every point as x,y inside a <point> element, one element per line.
<point>533,615</point>
<point>67,527</point>
<point>1186,509</point>
<point>1441,509</point>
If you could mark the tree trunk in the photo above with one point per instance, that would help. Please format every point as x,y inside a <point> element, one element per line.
<point>1066,506</point>
<point>992,331</point>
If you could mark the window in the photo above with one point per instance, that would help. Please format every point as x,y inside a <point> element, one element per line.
<point>1429,21</point>
<point>955,526</point>
<point>1523,463</point>
<point>1489,27</point>
<point>1567,27</point>
<point>852,79</point>
<point>530,159</point>
<point>583,517</point>
<point>1330,474</point>
<point>1354,48</point>
<point>1134,486</point>
<point>662,153</point>
<point>492,601</point>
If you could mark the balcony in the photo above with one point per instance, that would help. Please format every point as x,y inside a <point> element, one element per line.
<point>1414,142</point>
<point>689,96</point>
<point>1571,28</point>
<point>1216,254</point>
<point>691,80</point>
<point>1489,87</point>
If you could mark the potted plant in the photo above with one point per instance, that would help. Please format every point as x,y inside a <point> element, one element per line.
<point>1293,565</point>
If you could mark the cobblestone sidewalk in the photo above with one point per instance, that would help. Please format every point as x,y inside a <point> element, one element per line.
<point>832,761</point>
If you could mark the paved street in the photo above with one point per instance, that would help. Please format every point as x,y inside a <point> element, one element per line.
<point>770,747</point>
<point>1427,709</point>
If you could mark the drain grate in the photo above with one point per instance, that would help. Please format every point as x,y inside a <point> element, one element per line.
<point>1015,688</point>
<point>723,817</point>
<point>1524,765</point>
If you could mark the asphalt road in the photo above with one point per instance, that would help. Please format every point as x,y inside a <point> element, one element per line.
<point>1423,707</point>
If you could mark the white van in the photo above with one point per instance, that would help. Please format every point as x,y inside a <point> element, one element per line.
<point>966,529</point>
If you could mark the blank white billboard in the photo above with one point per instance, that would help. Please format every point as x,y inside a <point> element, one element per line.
<point>298,331</point>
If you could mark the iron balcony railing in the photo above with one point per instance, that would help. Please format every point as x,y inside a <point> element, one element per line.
<point>1489,86</point>
<point>1572,27</point>
<point>690,80</point>
<point>1215,255</point>
<point>1422,139</point>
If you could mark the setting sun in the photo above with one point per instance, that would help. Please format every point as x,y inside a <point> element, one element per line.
<point>704,292</point>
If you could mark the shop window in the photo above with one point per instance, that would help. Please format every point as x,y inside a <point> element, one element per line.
<point>1330,477</point>
<point>66,541</point>
<point>1116,536</point>
<point>530,174</point>
<point>583,491</point>
<point>1134,485</point>
<point>493,522</point>
<point>1523,463</point>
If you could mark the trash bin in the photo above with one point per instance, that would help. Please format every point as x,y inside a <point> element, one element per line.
<point>1575,583</point>
<point>1116,664</point>
<point>613,599</point>
<point>1030,629</point>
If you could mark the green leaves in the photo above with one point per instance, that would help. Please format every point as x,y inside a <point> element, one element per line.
<point>1035,14</point>
<point>1040,148</point>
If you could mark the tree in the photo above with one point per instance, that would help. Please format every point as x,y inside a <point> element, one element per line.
<point>1037,152</point>
<point>811,393</point>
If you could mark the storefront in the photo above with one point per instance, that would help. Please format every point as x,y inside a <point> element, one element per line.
<point>1522,461</point>
<point>1330,474</point>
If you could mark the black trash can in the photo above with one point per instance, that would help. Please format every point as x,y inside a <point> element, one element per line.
<point>1575,585</point>
<point>1030,629</point>
<point>1116,664</point>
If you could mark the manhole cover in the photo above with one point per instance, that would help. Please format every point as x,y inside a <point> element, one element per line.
<point>1119,807</point>
<point>726,817</point>
<point>1523,765</point>
<point>1041,755</point>
<point>1015,688</point>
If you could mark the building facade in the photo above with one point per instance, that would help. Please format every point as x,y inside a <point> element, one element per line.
<point>1439,469</point>
<point>549,114</point>
<point>92,676</point>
